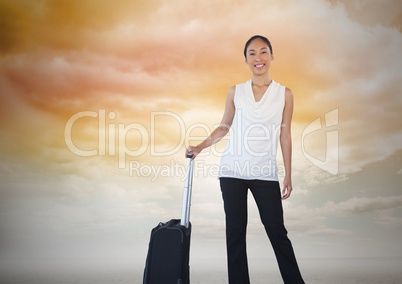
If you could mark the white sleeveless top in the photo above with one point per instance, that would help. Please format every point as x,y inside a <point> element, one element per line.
<point>252,146</point>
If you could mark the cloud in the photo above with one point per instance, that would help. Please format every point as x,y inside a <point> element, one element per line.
<point>330,232</point>
<point>360,205</point>
<point>63,24</point>
<point>389,221</point>
<point>316,221</point>
<point>208,229</point>
<point>371,13</point>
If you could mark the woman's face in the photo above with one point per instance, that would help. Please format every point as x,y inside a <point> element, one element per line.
<point>258,56</point>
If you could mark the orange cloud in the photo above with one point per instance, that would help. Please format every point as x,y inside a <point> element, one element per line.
<point>61,58</point>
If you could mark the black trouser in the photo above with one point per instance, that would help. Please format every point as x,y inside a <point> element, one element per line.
<point>268,198</point>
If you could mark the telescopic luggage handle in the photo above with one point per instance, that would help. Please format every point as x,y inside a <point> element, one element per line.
<point>188,182</point>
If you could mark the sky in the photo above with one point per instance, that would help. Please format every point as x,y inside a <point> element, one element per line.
<point>100,98</point>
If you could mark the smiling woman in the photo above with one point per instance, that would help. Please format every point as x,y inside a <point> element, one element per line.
<point>251,109</point>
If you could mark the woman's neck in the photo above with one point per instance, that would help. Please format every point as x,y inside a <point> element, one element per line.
<point>261,80</point>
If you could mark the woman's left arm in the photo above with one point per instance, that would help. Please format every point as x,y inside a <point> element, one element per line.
<point>286,143</point>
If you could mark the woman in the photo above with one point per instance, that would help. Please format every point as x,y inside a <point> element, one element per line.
<point>257,111</point>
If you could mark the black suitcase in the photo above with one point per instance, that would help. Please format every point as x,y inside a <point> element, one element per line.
<point>169,247</point>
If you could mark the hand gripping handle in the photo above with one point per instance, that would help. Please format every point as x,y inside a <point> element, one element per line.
<point>190,154</point>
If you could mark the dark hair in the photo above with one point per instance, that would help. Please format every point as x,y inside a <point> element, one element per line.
<point>263,38</point>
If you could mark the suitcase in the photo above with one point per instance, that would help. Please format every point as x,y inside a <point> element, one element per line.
<point>169,247</point>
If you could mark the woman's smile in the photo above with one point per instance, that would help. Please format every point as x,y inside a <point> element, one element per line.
<point>259,65</point>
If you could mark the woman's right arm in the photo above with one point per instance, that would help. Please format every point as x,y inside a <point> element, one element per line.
<point>221,130</point>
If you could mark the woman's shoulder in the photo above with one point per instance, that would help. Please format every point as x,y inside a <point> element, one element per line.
<point>242,87</point>
<point>231,94</point>
<point>288,95</point>
<point>287,91</point>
